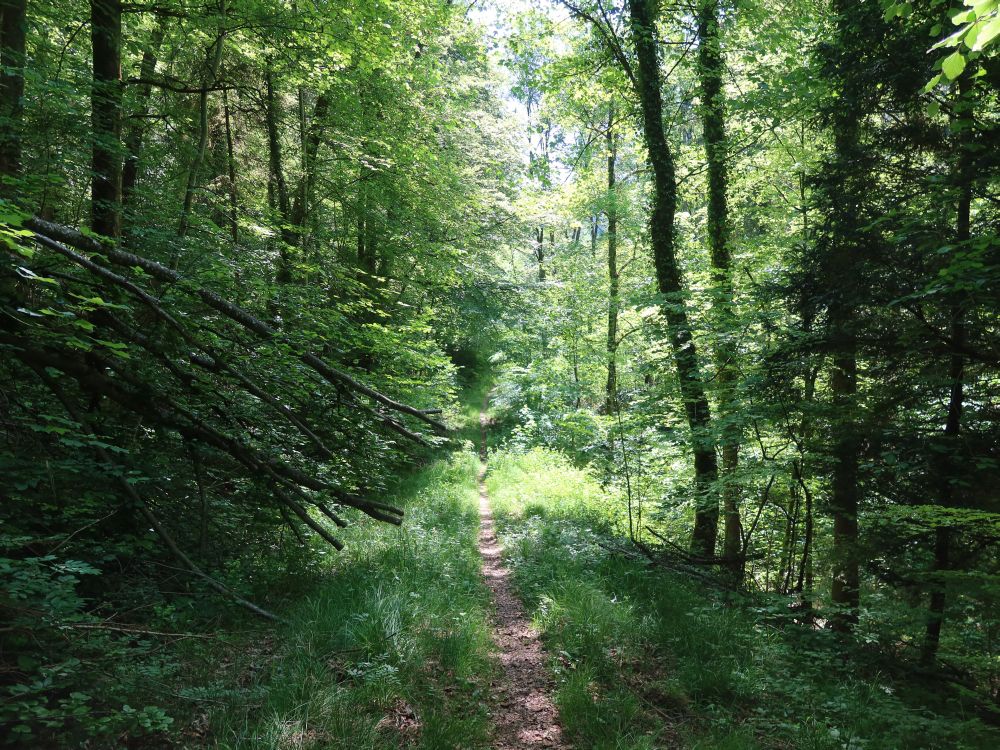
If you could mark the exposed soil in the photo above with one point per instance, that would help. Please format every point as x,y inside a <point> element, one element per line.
<point>524,714</point>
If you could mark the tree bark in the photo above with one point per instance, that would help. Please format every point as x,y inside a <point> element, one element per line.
<point>12,42</point>
<point>540,252</point>
<point>711,71</point>
<point>611,386</point>
<point>136,133</point>
<point>948,468</point>
<point>367,250</point>
<point>106,117</point>
<point>847,243</point>
<point>668,276</point>
<point>213,60</point>
<point>234,226</point>
<point>804,584</point>
<point>277,187</point>
<point>844,490</point>
<point>310,150</point>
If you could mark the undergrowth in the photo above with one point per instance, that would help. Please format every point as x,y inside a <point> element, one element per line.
<point>646,659</point>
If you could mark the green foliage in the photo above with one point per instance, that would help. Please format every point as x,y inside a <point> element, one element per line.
<point>54,696</point>
<point>406,191</point>
<point>352,212</point>
<point>862,230</point>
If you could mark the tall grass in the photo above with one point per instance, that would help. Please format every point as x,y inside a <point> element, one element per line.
<point>646,659</point>
<point>394,647</point>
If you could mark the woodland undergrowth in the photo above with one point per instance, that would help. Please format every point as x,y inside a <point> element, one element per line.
<point>645,658</point>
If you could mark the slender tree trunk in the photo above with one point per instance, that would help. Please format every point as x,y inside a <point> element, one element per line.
<point>213,60</point>
<point>136,133</point>
<point>234,226</point>
<point>611,387</point>
<point>367,249</point>
<point>845,591</point>
<point>312,138</point>
<point>947,474</point>
<point>106,117</point>
<point>362,203</point>
<point>552,246</point>
<point>711,70</point>
<point>540,252</point>
<point>277,187</point>
<point>846,195</point>
<point>804,584</point>
<point>669,279</point>
<point>576,374</point>
<point>948,468</point>
<point>12,43</point>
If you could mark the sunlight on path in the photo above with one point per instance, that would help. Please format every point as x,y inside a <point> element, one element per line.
<point>525,716</point>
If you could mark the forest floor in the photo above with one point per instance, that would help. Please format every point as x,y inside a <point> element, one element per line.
<point>506,612</point>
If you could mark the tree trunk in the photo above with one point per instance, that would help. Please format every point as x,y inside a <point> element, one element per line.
<point>668,276</point>
<point>277,188</point>
<point>135,134</point>
<point>362,209</point>
<point>310,150</point>
<point>948,468</point>
<point>234,226</point>
<point>540,252</point>
<point>845,592</point>
<point>848,242</point>
<point>711,71</point>
<point>12,39</point>
<point>213,60</point>
<point>611,387</point>
<point>367,250</point>
<point>106,117</point>
<point>804,584</point>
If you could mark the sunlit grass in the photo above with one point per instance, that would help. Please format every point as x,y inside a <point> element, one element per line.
<point>541,482</point>
<point>394,646</point>
<point>645,658</point>
<point>393,649</point>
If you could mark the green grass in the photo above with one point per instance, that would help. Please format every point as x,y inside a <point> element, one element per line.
<point>394,647</point>
<point>389,645</point>
<point>644,658</point>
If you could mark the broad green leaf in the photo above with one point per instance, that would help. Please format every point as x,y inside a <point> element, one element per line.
<point>987,34</point>
<point>953,65</point>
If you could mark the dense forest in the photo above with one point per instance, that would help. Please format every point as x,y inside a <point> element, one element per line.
<point>500,374</point>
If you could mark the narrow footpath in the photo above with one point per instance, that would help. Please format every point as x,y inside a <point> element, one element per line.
<point>525,715</point>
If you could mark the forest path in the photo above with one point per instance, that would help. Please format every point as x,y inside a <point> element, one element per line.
<point>525,715</point>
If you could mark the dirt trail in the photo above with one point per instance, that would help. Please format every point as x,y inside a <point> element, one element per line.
<point>524,714</point>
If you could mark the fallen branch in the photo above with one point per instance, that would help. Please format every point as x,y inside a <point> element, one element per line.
<point>140,503</point>
<point>135,630</point>
<point>51,235</point>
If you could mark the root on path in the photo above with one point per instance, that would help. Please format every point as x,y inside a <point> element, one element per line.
<point>524,715</point>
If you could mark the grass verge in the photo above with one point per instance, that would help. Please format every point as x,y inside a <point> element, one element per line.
<point>393,648</point>
<point>644,659</point>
